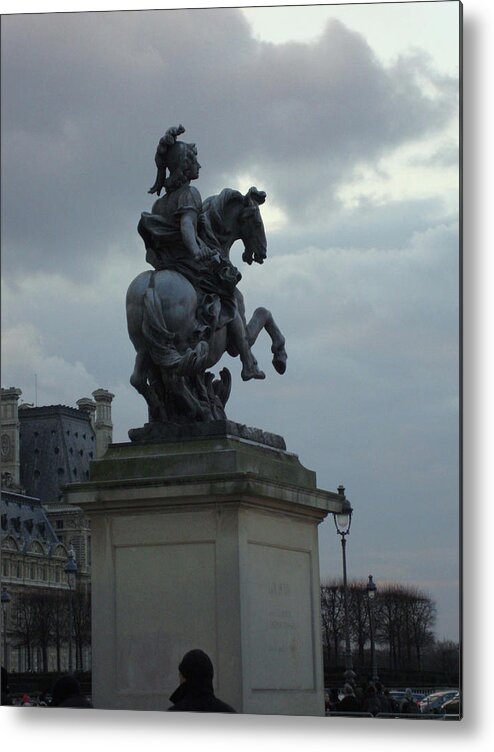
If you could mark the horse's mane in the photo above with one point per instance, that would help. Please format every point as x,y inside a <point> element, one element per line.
<point>213,214</point>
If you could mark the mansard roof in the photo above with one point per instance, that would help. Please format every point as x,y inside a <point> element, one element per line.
<point>24,522</point>
<point>57,443</point>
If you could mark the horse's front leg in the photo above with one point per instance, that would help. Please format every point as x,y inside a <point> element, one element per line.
<point>263,319</point>
<point>238,343</point>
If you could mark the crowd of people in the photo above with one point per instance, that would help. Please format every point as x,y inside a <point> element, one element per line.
<point>372,698</point>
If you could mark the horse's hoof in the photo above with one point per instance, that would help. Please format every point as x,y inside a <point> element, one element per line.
<point>279,362</point>
<point>248,374</point>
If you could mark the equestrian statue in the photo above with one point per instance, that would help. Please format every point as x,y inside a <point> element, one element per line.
<point>187,312</point>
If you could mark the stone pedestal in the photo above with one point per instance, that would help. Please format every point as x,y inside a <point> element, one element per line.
<point>208,543</point>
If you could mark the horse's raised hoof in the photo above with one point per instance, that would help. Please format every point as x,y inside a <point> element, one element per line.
<point>279,361</point>
<point>252,373</point>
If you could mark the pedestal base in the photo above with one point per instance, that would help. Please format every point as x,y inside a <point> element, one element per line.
<point>207,544</point>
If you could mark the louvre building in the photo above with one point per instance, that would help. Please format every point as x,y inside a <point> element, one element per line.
<point>42,450</point>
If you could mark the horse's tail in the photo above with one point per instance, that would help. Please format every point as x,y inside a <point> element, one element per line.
<point>160,342</point>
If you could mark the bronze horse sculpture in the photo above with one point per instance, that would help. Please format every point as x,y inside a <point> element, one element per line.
<point>174,346</point>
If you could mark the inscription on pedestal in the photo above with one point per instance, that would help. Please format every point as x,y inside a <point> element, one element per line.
<point>281,628</point>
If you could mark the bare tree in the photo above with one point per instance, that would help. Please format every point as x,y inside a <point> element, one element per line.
<point>82,623</point>
<point>41,603</point>
<point>332,618</point>
<point>358,607</point>
<point>24,625</point>
<point>60,626</point>
<point>403,619</point>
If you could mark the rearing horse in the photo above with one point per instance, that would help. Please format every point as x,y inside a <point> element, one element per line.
<point>172,356</point>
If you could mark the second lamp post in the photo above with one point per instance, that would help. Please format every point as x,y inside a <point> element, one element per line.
<point>71,572</point>
<point>371,593</point>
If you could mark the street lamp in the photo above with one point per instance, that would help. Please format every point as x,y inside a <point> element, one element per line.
<point>342,521</point>
<point>5,600</point>
<point>371,594</point>
<point>71,572</point>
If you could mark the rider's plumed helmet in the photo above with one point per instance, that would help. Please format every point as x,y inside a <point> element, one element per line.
<point>174,156</point>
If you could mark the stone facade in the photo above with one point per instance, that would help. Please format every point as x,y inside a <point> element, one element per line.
<point>33,560</point>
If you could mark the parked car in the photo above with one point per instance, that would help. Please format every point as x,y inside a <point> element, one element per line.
<point>451,707</point>
<point>433,702</point>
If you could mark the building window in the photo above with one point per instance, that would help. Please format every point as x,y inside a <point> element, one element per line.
<point>19,570</point>
<point>33,572</point>
<point>59,524</point>
<point>5,568</point>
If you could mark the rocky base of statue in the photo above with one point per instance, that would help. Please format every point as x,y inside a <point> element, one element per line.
<point>152,433</point>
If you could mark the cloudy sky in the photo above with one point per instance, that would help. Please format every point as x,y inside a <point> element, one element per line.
<point>347,116</point>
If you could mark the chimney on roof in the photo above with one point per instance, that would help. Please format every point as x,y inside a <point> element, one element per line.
<point>87,406</point>
<point>103,426</point>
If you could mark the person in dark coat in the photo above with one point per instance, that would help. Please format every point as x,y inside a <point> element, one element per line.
<point>349,703</point>
<point>195,692</point>
<point>389,705</point>
<point>371,703</point>
<point>67,693</point>
<point>408,704</point>
<point>6,698</point>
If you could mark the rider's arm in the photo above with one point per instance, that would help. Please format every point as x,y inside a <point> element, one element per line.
<point>189,234</point>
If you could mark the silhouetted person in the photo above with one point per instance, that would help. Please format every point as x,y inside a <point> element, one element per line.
<point>67,693</point>
<point>408,704</point>
<point>333,699</point>
<point>6,698</point>
<point>349,703</point>
<point>389,705</point>
<point>195,692</point>
<point>384,701</point>
<point>371,702</point>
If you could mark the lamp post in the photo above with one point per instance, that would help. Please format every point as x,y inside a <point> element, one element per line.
<point>371,594</point>
<point>5,600</point>
<point>71,572</point>
<point>342,521</point>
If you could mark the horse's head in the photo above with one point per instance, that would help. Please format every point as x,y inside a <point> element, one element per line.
<point>252,227</point>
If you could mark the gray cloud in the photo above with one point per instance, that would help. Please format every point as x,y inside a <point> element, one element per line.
<point>87,96</point>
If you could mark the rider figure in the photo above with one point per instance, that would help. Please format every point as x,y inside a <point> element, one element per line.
<point>170,234</point>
